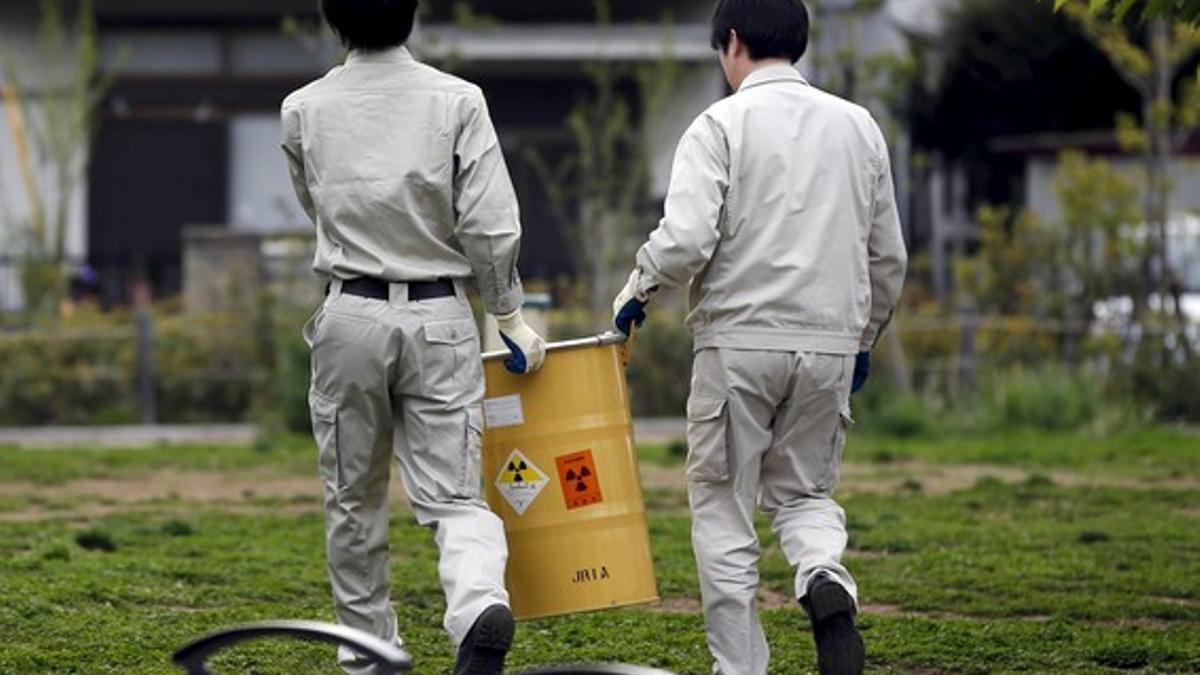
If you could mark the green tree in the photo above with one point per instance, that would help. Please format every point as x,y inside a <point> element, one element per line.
<point>599,189</point>
<point>1059,272</point>
<point>1184,10</point>
<point>1150,68</point>
<point>59,130</point>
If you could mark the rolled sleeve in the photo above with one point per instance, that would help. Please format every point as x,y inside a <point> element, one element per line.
<point>689,231</point>
<point>887,257</point>
<point>488,218</point>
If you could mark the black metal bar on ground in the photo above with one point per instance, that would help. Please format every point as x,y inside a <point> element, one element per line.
<point>599,669</point>
<point>388,657</point>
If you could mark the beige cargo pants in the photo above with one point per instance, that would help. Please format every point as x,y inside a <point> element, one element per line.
<point>766,429</point>
<point>402,379</point>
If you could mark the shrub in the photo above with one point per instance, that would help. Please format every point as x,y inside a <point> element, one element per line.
<point>1051,399</point>
<point>661,368</point>
<point>904,416</point>
<point>208,368</point>
<point>1166,380</point>
<point>290,382</point>
<point>51,378</point>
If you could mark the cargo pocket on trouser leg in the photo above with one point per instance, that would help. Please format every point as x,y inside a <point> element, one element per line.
<point>708,452</point>
<point>468,484</point>
<point>325,431</point>
<point>833,470</point>
<point>450,361</point>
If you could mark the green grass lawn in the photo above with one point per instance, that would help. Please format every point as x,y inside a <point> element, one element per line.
<point>1036,574</point>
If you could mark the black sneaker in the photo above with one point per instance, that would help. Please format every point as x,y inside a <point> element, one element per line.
<point>840,648</point>
<point>482,652</point>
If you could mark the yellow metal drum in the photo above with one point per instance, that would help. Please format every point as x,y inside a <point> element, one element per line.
<point>560,470</point>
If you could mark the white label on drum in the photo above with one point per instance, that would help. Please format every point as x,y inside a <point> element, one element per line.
<point>520,482</point>
<point>503,411</point>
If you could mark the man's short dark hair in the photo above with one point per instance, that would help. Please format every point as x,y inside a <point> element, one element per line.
<point>770,29</point>
<point>370,24</point>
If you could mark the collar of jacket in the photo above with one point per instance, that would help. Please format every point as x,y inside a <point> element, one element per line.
<point>394,55</point>
<point>776,72</point>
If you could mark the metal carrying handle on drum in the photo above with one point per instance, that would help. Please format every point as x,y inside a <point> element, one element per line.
<point>608,338</point>
<point>387,657</point>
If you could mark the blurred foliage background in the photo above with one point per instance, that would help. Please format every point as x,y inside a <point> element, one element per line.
<point>1078,320</point>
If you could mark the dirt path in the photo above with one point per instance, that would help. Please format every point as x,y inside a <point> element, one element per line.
<point>769,599</point>
<point>935,479</point>
<point>93,497</point>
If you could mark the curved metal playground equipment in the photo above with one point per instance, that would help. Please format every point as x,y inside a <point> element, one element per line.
<point>388,658</point>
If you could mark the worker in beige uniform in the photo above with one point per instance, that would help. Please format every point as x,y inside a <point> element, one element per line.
<point>399,167</point>
<point>781,214</point>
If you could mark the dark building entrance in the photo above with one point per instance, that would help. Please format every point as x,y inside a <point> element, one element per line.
<point>149,178</point>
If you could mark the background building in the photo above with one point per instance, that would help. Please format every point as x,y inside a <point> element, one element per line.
<point>189,132</point>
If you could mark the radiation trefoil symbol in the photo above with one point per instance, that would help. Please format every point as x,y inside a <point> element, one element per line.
<point>520,482</point>
<point>580,484</point>
<point>579,479</point>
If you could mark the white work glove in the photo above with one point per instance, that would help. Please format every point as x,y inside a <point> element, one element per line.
<point>629,307</point>
<point>527,347</point>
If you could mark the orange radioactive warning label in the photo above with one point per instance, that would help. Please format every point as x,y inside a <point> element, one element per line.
<point>577,474</point>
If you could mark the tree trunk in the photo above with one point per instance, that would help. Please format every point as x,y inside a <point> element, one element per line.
<point>1159,127</point>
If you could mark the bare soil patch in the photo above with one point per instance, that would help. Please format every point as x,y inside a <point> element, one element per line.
<point>1182,602</point>
<point>91,498</point>
<point>921,477</point>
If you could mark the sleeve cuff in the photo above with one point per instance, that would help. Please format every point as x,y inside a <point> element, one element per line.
<point>507,302</point>
<point>649,280</point>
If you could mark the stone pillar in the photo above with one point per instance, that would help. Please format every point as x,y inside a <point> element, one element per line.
<point>222,269</point>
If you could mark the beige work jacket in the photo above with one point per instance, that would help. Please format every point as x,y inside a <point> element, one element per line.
<point>781,213</point>
<point>399,167</point>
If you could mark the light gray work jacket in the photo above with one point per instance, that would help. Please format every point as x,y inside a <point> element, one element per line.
<point>399,167</point>
<point>781,213</point>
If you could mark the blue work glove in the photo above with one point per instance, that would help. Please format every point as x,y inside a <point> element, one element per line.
<point>632,313</point>
<point>527,347</point>
<point>629,307</point>
<point>862,368</point>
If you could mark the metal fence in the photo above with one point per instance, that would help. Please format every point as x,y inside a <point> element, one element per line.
<point>179,367</point>
<point>134,368</point>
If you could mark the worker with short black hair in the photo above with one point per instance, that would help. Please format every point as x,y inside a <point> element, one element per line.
<point>781,214</point>
<point>399,167</point>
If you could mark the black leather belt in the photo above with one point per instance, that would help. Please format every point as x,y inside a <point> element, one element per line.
<point>377,289</point>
